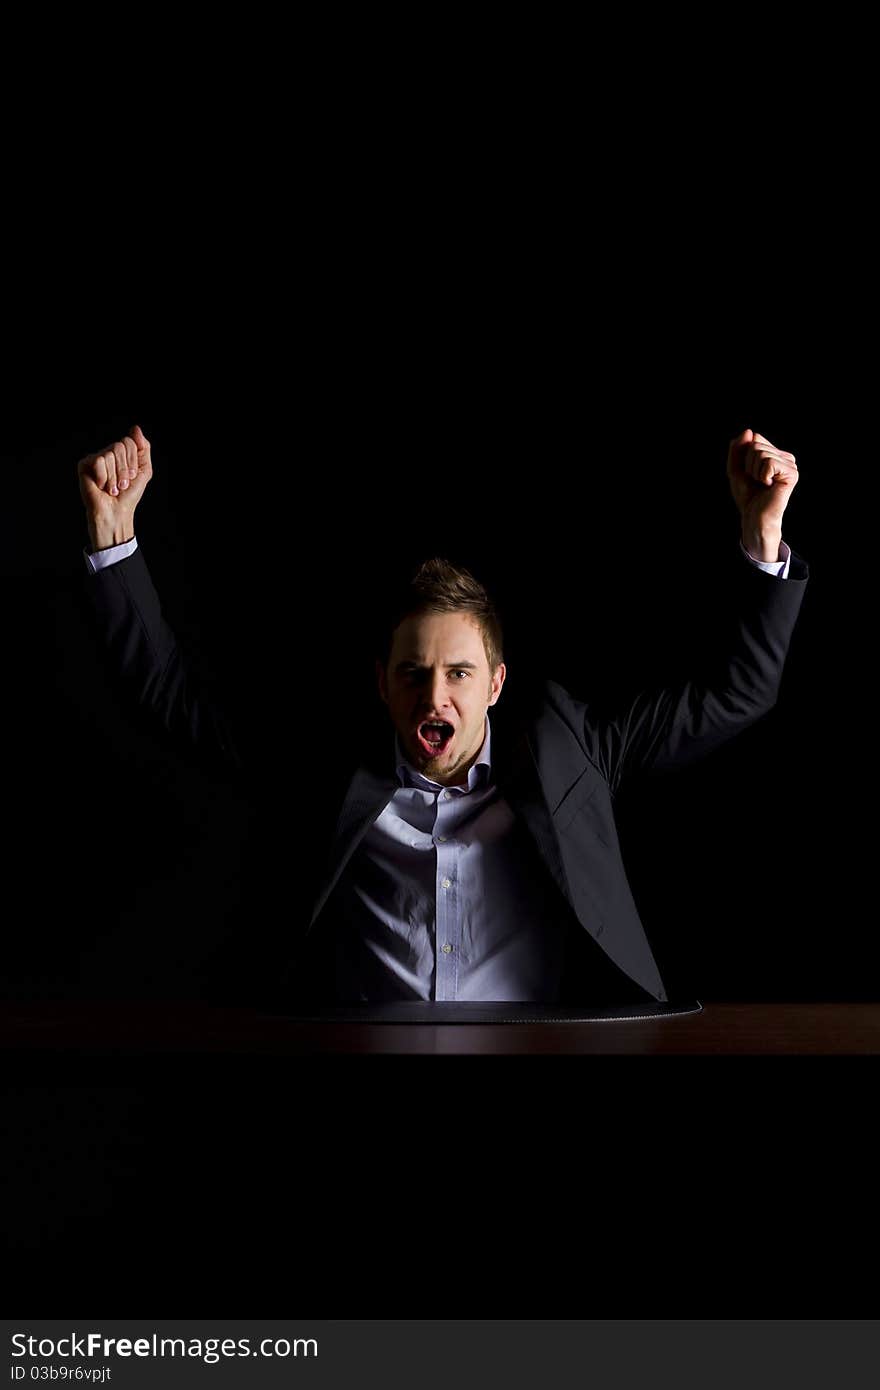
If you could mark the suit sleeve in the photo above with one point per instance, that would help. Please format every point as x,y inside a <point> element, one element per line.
<point>662,730</point>
<point>143,653</point>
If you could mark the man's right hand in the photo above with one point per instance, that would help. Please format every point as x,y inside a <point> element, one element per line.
<point>111,483</point>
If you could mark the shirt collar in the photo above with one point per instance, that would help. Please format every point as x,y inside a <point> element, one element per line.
<point>409,775</point>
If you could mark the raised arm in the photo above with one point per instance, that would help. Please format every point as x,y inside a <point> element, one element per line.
<point>663,729</point>
<point>137,640</point>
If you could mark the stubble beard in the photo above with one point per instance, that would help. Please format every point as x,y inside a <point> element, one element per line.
<point>451,773</point>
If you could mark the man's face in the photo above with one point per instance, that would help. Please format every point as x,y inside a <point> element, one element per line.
<point>438,670</point>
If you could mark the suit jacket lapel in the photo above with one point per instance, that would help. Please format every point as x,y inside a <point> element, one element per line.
<point>368,792</point>
<point>516,770</point>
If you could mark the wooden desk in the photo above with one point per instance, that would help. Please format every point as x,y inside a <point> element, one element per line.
<point>155,1030</point>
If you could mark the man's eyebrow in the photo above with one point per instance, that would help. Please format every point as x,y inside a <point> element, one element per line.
<point>450,665</point>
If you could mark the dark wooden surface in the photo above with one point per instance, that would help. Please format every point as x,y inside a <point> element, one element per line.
<point>152,1029</point>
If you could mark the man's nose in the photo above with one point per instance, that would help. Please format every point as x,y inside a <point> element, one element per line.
<point>435,692</point>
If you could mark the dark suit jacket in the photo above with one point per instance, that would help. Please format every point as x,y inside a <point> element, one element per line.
<point>559,762</point>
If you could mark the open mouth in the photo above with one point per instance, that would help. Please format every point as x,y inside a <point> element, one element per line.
<point>434,737</point>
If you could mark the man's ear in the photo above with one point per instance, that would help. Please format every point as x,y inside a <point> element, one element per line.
<point>497,683</point>
<point>380,678</point>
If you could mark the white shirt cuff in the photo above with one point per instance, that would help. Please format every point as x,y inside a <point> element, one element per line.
<point>778,567</point>
<point>100,559</point>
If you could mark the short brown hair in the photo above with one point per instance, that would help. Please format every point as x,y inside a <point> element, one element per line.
<point>439,586</point>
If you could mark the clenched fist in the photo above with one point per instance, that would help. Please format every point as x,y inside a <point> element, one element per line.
<point>111,484</point>
<point>762,479</point>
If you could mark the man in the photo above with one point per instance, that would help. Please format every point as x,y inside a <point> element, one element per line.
<point>464,857</point>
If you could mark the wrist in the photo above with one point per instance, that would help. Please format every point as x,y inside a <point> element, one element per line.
<point>103,534</point>
<point>762,544</point>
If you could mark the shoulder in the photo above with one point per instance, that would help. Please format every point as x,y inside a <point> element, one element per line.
<point>550,701</point>
<point>563,727</point>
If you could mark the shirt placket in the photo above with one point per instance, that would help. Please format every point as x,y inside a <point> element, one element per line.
<point>447,916</point>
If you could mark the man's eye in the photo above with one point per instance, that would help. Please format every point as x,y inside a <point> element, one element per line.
<point>418,676</point>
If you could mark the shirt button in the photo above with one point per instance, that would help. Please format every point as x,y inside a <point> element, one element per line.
<point>441,838</point>
<point>447,948</point>
<point>447,882</point>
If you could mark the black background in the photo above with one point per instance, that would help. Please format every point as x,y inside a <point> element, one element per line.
<point>483,370</point>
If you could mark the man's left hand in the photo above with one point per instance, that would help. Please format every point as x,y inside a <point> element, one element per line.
<point>762,478</point>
